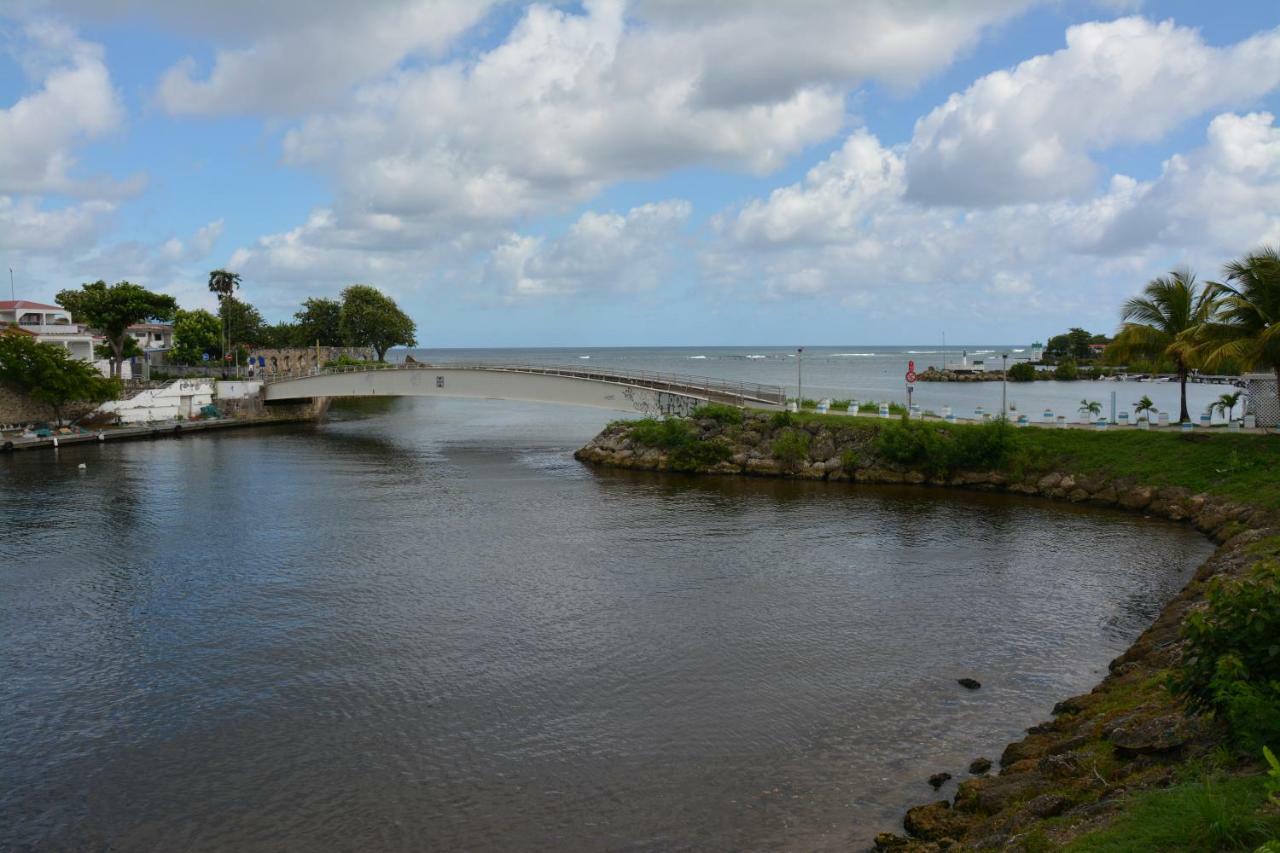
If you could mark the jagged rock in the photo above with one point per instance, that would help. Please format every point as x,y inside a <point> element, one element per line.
<point>1075,704</point>
<point>1140,735</point>
<point>937,780</point>
<point>1049,481</point>
<point>1047,805</point>
<point>969,683</point>
<point>979,766</point>
<point>890,841</point>
<point>1136,497</point>
<point>1031,746</point>
<point>934,821</point>
<point>1060,767</point>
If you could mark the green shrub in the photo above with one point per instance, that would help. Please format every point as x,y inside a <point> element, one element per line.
<point>1067,371</point>
<point>791,446</point>
<point>778,420</point>
<point>841,405</point>
<point>987,447</point>
<point>686,450</point>
<point>719,412</point>
<point>914,443</point>
<point>849,460</point>
<point>873,408</point>
<point>940,450</point>
<point>1231,660</point>
<point>1023,371</point>
<point>667,434</point>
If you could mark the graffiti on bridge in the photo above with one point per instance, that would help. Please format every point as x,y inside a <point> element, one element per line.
<point>661,403</point>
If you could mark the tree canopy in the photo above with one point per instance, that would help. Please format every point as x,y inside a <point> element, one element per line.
<point>48,374</point>
<point>1247,327</point>
<point>112,309</point>
<point>195,334</point>
<point>1162,322</point>
<point>243,322</point>
<point>1072,344</point>
<point>319,320</point>
<point>370,318</point>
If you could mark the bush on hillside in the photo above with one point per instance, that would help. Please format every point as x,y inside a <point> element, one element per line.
<point>1067,371</point>
<point>720,413</point>
<point>686,449</point>
<point>1231,660</point>
<point>1023,371</point>
<point>791,446</point>
<point>939,450</point>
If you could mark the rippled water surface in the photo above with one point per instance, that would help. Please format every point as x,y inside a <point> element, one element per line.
<point>428,627</point>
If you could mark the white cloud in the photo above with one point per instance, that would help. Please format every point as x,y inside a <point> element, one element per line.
<point>600,253</point>
<point>27,227</point>
<point>1027,134</point>
<point>313,62</point>
<point>74,101</point>
<point>569,103</point>
<point>850,229</point>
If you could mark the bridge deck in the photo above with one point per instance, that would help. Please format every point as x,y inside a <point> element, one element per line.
<point>713,390</point>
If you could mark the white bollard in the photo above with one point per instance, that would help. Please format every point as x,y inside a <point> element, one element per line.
<point>1188,426</point>
<point>1122,419</point>
<point>1144,423</point>
<point>1061,421</point>
<point>1101,425</point>
<point>1162,419</point>
<point>1250,421</point>
<point>1206,420</point>
<point>884,410</point>
<point>1048,416</point>
<point>1234,426</point>
<point>946,413</point>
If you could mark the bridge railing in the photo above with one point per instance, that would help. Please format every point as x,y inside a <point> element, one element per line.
<point>719,390</point>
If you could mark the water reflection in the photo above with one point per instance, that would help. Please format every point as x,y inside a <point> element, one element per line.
<point>429,627</point>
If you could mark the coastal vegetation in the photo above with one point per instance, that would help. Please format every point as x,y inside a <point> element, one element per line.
<point>48,374</point>
<point>112,309</point>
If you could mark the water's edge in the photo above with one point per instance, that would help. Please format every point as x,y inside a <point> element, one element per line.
<point>1053,773</point>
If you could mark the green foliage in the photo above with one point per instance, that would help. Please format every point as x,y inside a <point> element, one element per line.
<point>1225,405</point>
<point>719,412</point>
<point>1074,344</point>
<point>686,450</point>
<point>1205,815</point>
<point>370,319</point>
<point>112,309</point>
<point>320,320</point>
<point>874,408</point>
<point>281,335</point>
<point>1144,405</point>
<point>941,450</point>
<point>48,374</point>
<point>194,334</point>
<point>1067,371</point>
<point>1273,774</point>
<point>131,350</point>
<point>791,446</point>
<point>241,321</point>
<point>841,405</point>
<point>1023,371</point>
<point>1092,407</point>
<point>1244,332</point>
<point>1231,660</point>
<point>849,460</point>
<point>778,420</point>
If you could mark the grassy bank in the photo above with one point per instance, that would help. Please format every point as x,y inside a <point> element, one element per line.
<point>1165,754</point>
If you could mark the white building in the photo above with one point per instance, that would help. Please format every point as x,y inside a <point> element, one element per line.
<point>49,324</point>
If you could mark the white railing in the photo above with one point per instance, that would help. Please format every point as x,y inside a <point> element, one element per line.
<point>703,386</point>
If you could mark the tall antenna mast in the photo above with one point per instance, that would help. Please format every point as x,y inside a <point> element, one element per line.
<point>12,292</point>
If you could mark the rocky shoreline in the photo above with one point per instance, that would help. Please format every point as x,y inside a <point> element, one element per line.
<point>1073,772</point>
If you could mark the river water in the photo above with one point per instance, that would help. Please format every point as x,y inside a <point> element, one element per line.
<point>425,626</point>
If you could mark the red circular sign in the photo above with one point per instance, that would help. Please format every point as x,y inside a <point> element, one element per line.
<point>911,377</point>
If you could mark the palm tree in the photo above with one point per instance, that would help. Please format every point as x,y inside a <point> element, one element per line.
<point>1145,405</point>
<point>1162,322</point>
<point>1247,328</point>
<point>223,284</point>
<point>1225,405</point>
<point>1092,407</point>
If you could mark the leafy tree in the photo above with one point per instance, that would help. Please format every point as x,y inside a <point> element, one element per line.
<point>370,319</point>
<point>196,334</point>
<point>131,350</point>
<point>280,335</point>
<point>1073,344</point>
<point>1163,322</point>
<point>1145,405</point>
<point>320,320</point>
<point>48,374</point>
<point>1066,371</point>
<point>1090,407</point>
<point>242,322</point>
<point>1247,329</point>
<point>113,309</point>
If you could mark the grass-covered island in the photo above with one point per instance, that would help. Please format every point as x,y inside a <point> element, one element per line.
<point>1167,752</point>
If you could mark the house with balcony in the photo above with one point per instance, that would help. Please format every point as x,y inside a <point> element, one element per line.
<point>49,324</point>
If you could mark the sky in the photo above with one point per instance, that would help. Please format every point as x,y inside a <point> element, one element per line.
<point>655,172</point>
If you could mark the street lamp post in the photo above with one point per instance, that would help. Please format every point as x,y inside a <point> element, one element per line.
<point>1004,386</point>
<point>799,379</point>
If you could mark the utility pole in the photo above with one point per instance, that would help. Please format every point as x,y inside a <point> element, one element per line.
<point>1004,386</point>
<point>12,292</point>
<point>799,379</point>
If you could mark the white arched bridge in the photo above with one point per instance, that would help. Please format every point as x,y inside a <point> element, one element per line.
<point>640,392</point>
